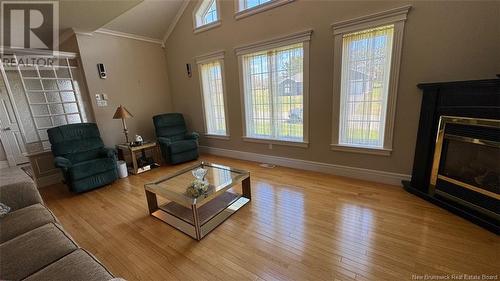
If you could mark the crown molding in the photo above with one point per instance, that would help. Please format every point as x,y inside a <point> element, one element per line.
<point>128,35</point>
<point>380,18</point>
<point>172,25</point>
<point>81,32</point>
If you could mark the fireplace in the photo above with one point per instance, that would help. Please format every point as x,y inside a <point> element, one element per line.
<point>466,163</point>
<point>457,155</point>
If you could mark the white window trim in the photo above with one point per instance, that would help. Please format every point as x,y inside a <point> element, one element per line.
<point>239,14</point>
<point>208,26</point>
<point>206,58</point>
<point>396,16</point>
<point>294,38</point>
<point>277,142</point>
<point>217,137</point>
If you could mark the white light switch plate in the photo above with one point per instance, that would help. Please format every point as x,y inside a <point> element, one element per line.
<point>102,103</point>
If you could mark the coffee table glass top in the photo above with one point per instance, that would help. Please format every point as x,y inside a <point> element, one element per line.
<point>173,187</point>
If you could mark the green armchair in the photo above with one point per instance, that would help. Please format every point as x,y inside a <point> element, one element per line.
<point>176,144</point>
<point>80,153</point>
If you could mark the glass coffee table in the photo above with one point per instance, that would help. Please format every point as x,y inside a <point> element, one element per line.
<point>198,216</point>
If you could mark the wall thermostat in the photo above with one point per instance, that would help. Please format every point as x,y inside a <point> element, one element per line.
<point>101,70</point>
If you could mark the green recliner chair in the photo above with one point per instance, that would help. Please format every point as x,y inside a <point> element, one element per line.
<point>80,153</point>
<point>176,144</point>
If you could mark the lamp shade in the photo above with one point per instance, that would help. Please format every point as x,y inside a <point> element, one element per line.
<point>122,113</point>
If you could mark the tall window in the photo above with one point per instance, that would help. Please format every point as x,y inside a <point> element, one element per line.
<point>212,88</point>
<point>275,89</point>
<point>366,65</point>
<point>366,60</point>
<point>207,14</point>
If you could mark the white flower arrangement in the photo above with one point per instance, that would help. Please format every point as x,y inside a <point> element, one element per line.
<point>197,188</point>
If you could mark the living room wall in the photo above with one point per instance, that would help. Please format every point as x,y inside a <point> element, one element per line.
<point>443,41</point>
<point>136,79</point>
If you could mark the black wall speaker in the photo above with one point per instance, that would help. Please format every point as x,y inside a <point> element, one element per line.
<point>101,70</point>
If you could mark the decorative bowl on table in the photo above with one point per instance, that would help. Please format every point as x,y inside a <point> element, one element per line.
<point>199,173</point>
<point>199,185</point>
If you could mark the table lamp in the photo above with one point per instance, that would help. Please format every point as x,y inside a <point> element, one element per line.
<point>122,113</point>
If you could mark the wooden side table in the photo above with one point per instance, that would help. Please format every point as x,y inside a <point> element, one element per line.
<point>133,150</point>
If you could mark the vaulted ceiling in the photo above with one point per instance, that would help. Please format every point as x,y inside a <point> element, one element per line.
<point>146,18</point>
<point>87,15</point>
<point>150,18</point>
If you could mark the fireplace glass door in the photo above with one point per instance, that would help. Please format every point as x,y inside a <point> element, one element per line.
<point>467,163</point>
<point>472,164</point>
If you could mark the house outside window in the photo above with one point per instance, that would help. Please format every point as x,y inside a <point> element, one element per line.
<point>366,72</point>
<point>274,77</point>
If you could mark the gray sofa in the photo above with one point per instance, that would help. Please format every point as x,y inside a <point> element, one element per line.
<point>34,246</point>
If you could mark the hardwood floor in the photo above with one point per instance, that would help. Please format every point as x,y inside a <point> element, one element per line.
<point>299,225</point>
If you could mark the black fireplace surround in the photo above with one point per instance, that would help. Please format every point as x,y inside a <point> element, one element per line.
<point>459,105</point>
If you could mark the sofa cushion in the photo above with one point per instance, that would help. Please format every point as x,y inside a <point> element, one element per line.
<point>182,146</point>
<point>79,265</point>
<point>24,220</point>
<point>92,167</point>
<point>33,250</point>
<point>19,195</point>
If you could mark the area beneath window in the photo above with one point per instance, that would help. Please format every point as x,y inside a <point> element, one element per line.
<point>361,149</point>
<point>207,26</point>
<point>219,137</point>
<point>277,142</point>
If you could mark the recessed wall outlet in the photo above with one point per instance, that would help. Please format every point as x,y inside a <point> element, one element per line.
<point>270,146</point>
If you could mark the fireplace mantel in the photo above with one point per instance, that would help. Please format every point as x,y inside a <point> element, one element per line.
<point>475,99</point>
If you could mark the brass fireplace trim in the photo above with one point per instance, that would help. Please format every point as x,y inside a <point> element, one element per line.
<point>470,205</point>
<point>470,186</point>
<point>494,144</point>
<point>443,120</point>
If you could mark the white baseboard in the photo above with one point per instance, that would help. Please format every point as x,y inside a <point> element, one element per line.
<point>4,164</point>
<point>340,170</point>
<point>47,180</point>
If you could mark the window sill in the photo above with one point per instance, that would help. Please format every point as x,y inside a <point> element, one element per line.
<point>207,26</point>
<point>277,142</point>
<point>219,137</point>
<point>261,8</point>
<point>362,150</point>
